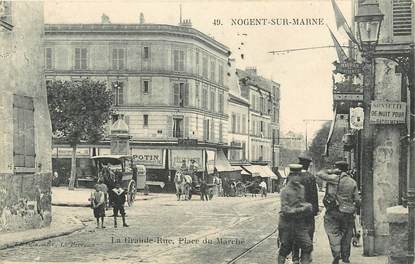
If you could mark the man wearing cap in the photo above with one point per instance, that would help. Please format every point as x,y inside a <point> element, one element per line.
<point>311,196</point>
<point>293,226</point>
<point>119,201</point>
<point>339,218</point>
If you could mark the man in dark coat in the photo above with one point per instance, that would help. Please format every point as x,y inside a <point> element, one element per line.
<point>310,196</point>
<point>293,225</point>
<point>339,218</point>
<point>119,196</point>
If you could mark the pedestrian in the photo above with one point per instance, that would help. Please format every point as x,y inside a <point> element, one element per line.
<point>98,205</point>
<point>216,182</point>
<point>311,196</point>
<point>293,226</point>
<point>341,201</point>
<point>263,186</point>
<point>119,196</point>
<point>103,187</point>
<point>55,180</point>
<point>204,190</point>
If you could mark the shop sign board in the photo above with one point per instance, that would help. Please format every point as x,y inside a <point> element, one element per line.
<point>67,152</point>
<point>386,112</point>
<point>151,158</point>
<point>178,155</point>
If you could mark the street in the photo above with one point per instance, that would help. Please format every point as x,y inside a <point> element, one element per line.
<point>164,230</point>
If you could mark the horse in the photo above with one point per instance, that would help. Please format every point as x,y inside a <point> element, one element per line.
<point>183,184</point>
<point>109,179</point>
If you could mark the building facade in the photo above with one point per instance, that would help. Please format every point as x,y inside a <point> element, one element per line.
<point>169,85</point>
<point>25,134</point>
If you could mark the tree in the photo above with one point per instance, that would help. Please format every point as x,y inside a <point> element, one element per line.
<point>318,145</point>
<point>79,111</point>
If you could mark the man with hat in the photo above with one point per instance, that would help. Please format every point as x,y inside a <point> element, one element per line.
<point>339,217</point>
<point>311,196</point>
<point>293,226</point>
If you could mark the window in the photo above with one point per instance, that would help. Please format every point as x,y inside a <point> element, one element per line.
<point>145,120</point>
<point>204,97</point>
<point>178,60</point>
<point>146,53</point>
<point>238,123</point>
<point>197,94</point>
<point>220,132</point>
<point>205,67</point>
<point>181,94</point>
<point>49,58</point>
<point>212,130</point>
<point>206,129</point>
<point>221,103</point>
<point>220,74</point>
<point>146,86</point>
<point>178,127</point>
<point>233,123</point>
<point>212,70</point>
<point>401,17</point>
<point>243,151</point>
<point>212,100</point>
<point>81,58</point>
<point>24,132</point>
<point>243,124</point>
<point>253,101</point>
<point>197,62</point>
<point>117,93</point>
<point>118,59</point>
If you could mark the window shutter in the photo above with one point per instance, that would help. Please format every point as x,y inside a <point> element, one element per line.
<point>121,94</point>
<point>186,126</point>
<point>204,130</point>
<point>212,130</point>
<point>181,65</point>
<point>84,58</point>
<point>402,17</point>
<point>220,133</point>
<point>77,58</point>
<point>186,94</point>
<point>176,94</point>
<point>169,126</point>
<point>120,59</point>
<point>114,59</point>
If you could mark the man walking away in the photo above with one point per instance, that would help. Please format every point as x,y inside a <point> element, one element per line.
<point>263,186</point>
<point>311,196</point>
<point>339,217</point>
<point>293,227</point>
<point>118,206</point>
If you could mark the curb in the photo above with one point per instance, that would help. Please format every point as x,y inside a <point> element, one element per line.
<point>68,204</point>
<point>43,237</point>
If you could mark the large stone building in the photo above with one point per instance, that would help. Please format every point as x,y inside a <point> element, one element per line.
<point>25,134</point>
<point>171,87</point>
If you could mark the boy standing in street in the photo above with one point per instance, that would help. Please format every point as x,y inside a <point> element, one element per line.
<point>119,195</point>
<point>98,205</point>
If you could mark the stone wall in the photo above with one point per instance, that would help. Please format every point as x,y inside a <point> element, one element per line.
<point>25,193</point>
<point>398,238</point>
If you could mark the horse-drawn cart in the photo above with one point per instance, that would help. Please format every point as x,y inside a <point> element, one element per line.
<point>120,169</point>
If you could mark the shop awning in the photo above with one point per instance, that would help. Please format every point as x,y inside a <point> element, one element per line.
<point>243,172</point>
<point>222,163</point>
<point>267,171</point>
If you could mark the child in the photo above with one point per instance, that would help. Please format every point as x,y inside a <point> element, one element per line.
<point>98,205</point>
<point>119,195</point>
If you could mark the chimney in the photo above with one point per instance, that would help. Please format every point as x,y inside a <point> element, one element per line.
<point>251,70</point>
<point>142,21</point>
<point>186,23</point>
<point>105,19</point>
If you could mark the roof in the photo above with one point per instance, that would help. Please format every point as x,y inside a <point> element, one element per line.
<point>257,80</point>
<point>135,29</point>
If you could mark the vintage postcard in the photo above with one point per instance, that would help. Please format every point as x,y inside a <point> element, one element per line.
<point>238,131</point>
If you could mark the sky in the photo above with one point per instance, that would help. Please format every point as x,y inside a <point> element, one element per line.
<point>304,76</point>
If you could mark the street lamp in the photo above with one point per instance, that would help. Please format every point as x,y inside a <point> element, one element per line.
<point>369,19</point>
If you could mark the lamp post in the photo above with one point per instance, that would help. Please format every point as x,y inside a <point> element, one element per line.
<point>369,19</point>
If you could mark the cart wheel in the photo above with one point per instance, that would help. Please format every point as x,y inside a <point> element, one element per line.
<point>131,193</point>
<point>190,193</point>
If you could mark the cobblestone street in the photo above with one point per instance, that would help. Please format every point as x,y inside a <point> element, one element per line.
<point>181,232</point>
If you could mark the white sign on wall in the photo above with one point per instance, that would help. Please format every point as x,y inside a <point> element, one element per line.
<point>356,118</point>
<point>385,112</point>
<point>151,158</point>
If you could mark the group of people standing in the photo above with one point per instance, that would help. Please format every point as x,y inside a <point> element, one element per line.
<point>300,206</point>
<point>99,205</point>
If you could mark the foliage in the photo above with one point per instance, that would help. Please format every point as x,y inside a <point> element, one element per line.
<point>288,156</point>
<point>79,110</point>
<point>317,148</point>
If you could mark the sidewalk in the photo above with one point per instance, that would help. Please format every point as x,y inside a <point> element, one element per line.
<point>61,196</point>
<point>322,253</point>
<point>62,224</point>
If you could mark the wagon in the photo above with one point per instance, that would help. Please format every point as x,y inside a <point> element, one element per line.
<point>120,169</point>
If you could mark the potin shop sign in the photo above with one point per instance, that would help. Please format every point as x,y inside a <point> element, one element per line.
<point>384,112</point>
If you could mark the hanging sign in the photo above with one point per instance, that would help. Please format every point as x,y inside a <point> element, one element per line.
<point>356,118</point>
<point>385,112</point>
<point>348,67</point>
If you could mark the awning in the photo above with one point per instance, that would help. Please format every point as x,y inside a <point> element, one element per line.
<point>267,171</point>
<point>243,172</point>
<point>283,173</point>
<point>222,163</point>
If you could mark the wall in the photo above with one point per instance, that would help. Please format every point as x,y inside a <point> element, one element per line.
<point>25,198</point>
<point>386,154</point>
